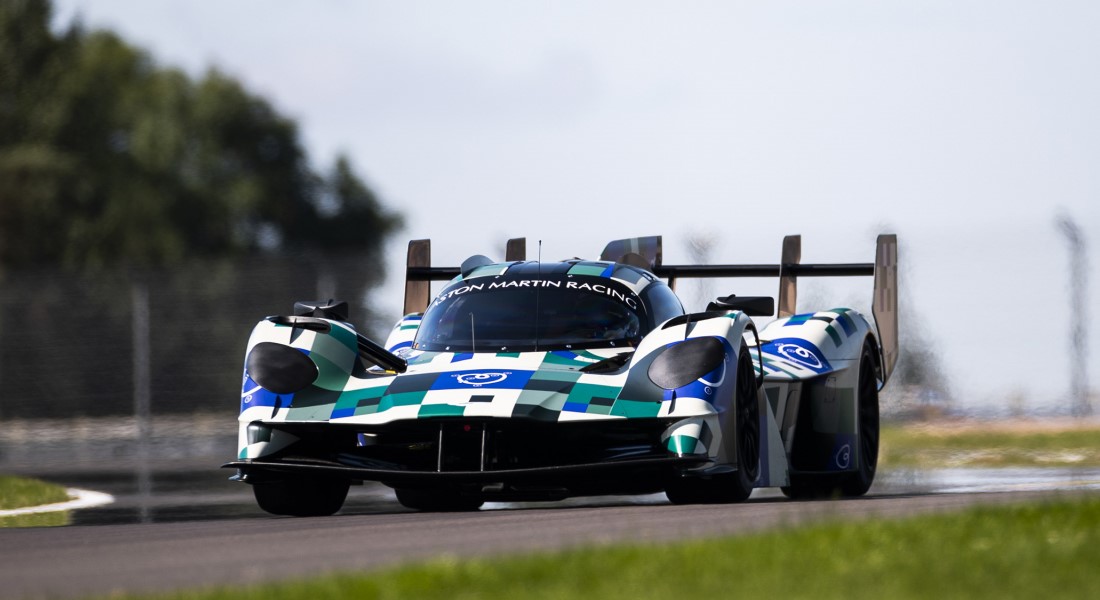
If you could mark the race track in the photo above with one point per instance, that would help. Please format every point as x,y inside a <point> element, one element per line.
<point>374,531</point>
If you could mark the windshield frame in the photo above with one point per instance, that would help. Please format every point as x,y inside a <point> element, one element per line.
<point>610,313</point>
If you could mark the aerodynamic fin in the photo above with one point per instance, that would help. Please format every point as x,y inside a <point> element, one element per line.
<point>885,305</point>
<point>419,272</point>
<point>644,252</point>
<point>516,250</point>
<point>417,290</point>
<point>788,281</point>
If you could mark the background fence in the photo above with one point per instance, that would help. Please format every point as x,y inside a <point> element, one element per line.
<point>91,363</point>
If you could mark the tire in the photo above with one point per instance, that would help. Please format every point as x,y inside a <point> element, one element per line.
<point>859,482</point>
<point>736,486</point>
<point>301,496</point>
<point>438,500</point>
<point>856,483</point>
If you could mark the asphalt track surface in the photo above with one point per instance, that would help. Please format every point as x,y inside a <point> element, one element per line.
<point>225,540</point>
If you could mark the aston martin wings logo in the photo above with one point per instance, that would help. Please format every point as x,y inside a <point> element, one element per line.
<point>480,379</point>
<point>798,354</point>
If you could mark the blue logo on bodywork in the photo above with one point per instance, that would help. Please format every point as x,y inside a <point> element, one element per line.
<point>482,378</point>
<point>799,352</point>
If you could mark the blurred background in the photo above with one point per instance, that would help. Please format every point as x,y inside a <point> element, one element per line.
<point>171,171</point>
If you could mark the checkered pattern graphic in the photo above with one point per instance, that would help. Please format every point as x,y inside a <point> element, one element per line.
<point>691,436</point>
<point>537,385</point>
<point>403,333</point>
<point>546,386</point>
<point>632,278</point>
<point>836,334</point>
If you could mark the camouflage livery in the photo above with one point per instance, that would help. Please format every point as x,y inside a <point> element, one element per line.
<point>700,405</point>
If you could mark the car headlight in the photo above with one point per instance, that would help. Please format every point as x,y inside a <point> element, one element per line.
<point>684,362</point>
<point>280,369</point>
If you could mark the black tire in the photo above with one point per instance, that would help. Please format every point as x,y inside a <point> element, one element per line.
<point>438,500</point>
<point>738,485</point>
<point>301,496</point>
<point>858,482</point>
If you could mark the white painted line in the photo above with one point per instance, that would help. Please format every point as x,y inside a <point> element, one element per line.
<point>1022,487</point>
<point>80,499</point>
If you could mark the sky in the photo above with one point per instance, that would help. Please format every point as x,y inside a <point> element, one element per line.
<point>966,127</point>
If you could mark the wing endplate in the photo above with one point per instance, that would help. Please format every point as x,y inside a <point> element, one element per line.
<point>516,250</point>
<point>648,248</point>
<point>788,281</point>
<point>885,304</point>
<point>416,291</point>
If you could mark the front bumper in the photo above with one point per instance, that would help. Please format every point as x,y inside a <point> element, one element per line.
<point>484,456</point>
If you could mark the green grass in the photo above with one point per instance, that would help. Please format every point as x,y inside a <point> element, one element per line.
<point>52,519</point>
<point>1034,551</point>
<point>973,446</point>
<point>19,492</point>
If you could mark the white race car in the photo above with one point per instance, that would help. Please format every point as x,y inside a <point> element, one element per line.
<point>528,380</point>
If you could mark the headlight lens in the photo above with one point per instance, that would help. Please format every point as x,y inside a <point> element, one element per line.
<point>280,369</point>
<point>684,362</point>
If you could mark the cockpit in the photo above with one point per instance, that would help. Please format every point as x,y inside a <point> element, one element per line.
<point>551,312</point>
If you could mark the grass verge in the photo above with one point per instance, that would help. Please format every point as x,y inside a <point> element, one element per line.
<point>51,519</point>
<point>987,552</point>
<point>20,492</point>
<point>990,445</point>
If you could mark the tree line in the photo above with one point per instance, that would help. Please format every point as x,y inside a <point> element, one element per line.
<point>117,173</point>
<point>108,159</point>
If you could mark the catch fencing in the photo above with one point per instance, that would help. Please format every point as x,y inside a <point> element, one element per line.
<point>91,363</point>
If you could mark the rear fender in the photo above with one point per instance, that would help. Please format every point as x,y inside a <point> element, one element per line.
<point>810,345</point>
<point>811,364</point>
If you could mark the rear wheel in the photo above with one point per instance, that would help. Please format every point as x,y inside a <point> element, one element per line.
<point>859,482</point>
<point>738,485</point>
<point>301,496</point>
<point>438,500</point>
<point>853,483</point>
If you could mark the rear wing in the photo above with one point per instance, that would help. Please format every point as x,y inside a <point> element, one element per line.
<point>646,252</point>
<point>884,304</point>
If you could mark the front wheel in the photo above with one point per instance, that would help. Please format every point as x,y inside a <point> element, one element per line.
<point>301,496</point>
<point>738,485</point>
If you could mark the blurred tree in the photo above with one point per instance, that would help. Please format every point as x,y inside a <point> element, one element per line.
<point>348,209</point>
<point>106,158</point>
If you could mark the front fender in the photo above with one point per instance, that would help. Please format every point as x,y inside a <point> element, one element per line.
<point>727,328</point>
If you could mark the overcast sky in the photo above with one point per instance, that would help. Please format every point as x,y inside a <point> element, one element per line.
<point>965,127</point>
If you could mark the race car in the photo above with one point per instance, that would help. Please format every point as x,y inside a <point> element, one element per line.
<point>528,380</point>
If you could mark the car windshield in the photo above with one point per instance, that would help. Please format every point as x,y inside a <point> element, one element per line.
<point>502,314</point>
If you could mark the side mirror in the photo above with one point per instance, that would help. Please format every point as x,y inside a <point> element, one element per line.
<point>336,310</point>
<point>753,306</point>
